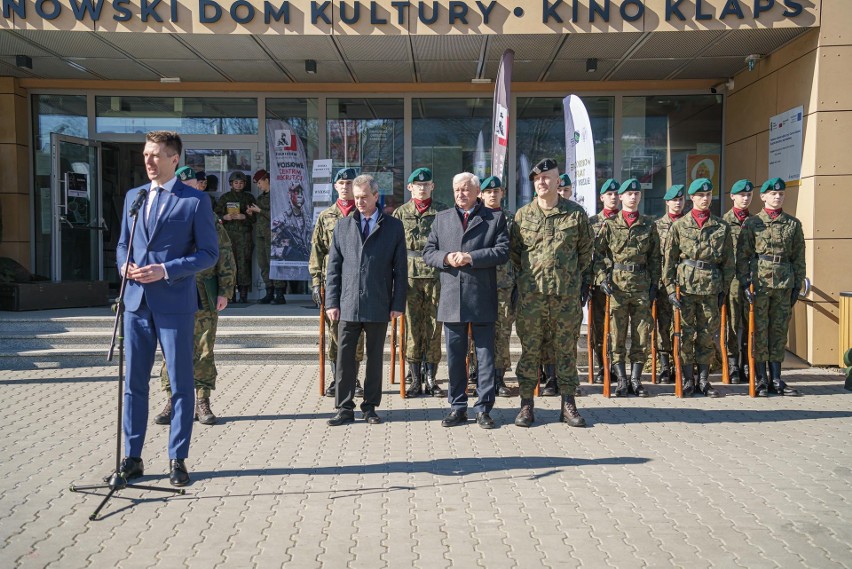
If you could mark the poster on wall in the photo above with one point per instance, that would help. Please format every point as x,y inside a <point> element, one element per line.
<point>785,145</point>
<point>580,153</point>
<point>703,166</point>
<point>291,203</point>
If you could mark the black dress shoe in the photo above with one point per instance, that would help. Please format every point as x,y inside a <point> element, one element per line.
<point>131,468</point>
<point>371,417</point>
<point>342,417</point>
<point>359,389</point>
<point>178,476</point>
<point>484,420</point>
<point>456,417</point>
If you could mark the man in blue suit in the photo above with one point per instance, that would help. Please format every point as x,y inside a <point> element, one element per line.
<point>175,238</point>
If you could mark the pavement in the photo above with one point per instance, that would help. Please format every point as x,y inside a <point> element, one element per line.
<point>657,482</point>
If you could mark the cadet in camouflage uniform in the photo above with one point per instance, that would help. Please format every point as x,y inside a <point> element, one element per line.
<point>422,329</point>
<point>737,332</point>
<point>239,228</point>
<point>699,259</point>
<point>591,287</point>
<point>263,240</point>
<point>771,256</point>
<point>215,287</point>
<point>550,245</point>
<point>320,243</point>
<point>631,246</point>
<point>675,201</point>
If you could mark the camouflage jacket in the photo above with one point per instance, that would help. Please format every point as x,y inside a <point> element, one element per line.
<point>550,250</point>
<point>709,244</point>
<point>505,273</point>
<point>243,199</point>
<point>781,238</point>
<point>635,245</point>
<point>321,241</point>
<point>735,225</point>
<point>220,279</point>
<point>262,219</point>
<point>417,227</point>
<point>599,262</point>
<point>664,225</point>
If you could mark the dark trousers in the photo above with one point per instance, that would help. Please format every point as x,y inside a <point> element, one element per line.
<point>347,343</point>
<point>457,344</point>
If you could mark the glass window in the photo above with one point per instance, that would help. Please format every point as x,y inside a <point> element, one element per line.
<point>367,134</point>
<point>451,136</point>
<point>187,115</point>
<point>671,139</point>
<point>63,114</point>
<point>303,116</point>
<point>541,134</point>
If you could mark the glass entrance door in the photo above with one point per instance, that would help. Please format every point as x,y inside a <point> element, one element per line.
<point>77,224</point>
<point>219,159</point>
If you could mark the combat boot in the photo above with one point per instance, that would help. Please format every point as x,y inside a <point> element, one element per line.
<point>636,381</point>
<point>500,383</point>
<point>623,385</point>
<point>416,387</point>
<point>550,388</point>
<point>666,375</point>
<point>268,298</point>
<point>203,412</point>
<point>278,298</point>
<point>165,416</point>
<point>331,387</point>
<point>599,375</point>
<point>526,417</point>
<point>761,385</point>
<point>778,385</point>
<point>733,370</point>
<point>569,413</point>
<point>704,381</point>
<point>243,294</point>
<point>688,379</point>
<point>432,387</point>
<point>359,390</point>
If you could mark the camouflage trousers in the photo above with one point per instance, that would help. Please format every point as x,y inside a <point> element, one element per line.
<point>598,299</point>
<point>541,315</point>
<point>630,311</point>
<point>772,312</point>
<point>422,329</point>
<point>699,328</point>
<point>665,319</point>
<point>502,333</point>
<point>262,246</point>
<point>241,244</point>
<point>331,352</point>
<point>203,364</point>
<point>737,329</point>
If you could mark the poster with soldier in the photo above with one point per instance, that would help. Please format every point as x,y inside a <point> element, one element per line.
<point>291,203</point>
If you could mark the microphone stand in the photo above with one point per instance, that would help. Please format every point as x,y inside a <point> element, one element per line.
<point>116,481</point>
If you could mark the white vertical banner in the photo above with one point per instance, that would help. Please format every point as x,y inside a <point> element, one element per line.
<point>500,116</point>
<point>580,153</point>
<point>291,203</point>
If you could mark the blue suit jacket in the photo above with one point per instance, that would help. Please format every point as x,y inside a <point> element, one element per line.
<point>184,240</point>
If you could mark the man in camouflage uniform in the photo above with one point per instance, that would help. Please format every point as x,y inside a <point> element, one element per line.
<point>591,287</point>
<point>737,329</point>
<point>215,287</point>
<point>550,245</point>
<point>631,246</point>
<point>235,211</point>
<point>422,329</point>
<point>675,202</point>
<point>320,243</point>
<point>771,257</point>
<point>262,240</point>
<point>699,261</point>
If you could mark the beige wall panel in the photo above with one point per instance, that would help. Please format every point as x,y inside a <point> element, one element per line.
<point>761,158</point>
<point>748,110</point>
<point>384,10</point>
<point>829,275</point>
<point>799,203</point>
<point>65,21</point>
<point>834,79</point>
<point>823,320</point>
<point>20,252</point>
<point>8,126</point>
<point>797,332</point>
<point>16,217</point>
<point>836,17</point>
<point>831,213</point>
<point>810,142</point>
<point>797,84</point>
<point>739,160</point>
<point>15,161</point>
<point>832,145</point>
<point>656,11</point>
<point>800,46</point>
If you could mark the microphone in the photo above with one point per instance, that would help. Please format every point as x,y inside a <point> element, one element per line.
<point>137,203</point>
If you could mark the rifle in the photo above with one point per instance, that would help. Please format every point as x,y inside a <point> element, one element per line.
<point>676,348</point>
<point>322,343</point>
<point>605,349</point>
<point>401,358</point>
<point>393,353</point>
<point>590,341</point>
<point>723,344</point>
<point>654,341</point>
<point>752,369</point>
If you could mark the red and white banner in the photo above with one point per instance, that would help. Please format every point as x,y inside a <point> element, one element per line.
<point>500,115</point>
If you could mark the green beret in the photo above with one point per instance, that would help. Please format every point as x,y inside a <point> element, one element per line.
<point>420,175</point>
<point>630,185</point>
<point>490,183</point>
<point>185,173</point>
<point>564,181</point>
<point>610,185</point>
<point>542,166</point>
<point>773,184</point>
<point>345,174</point>
<point>674,192</point>
<point>700,185</point>
<point>741,186</point>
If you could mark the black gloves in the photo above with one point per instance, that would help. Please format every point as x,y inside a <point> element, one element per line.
<point>606,287</point>
<point>675,300</point>
<point>652,292</point>
<point>315,295</point>
<point>794,296</point>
